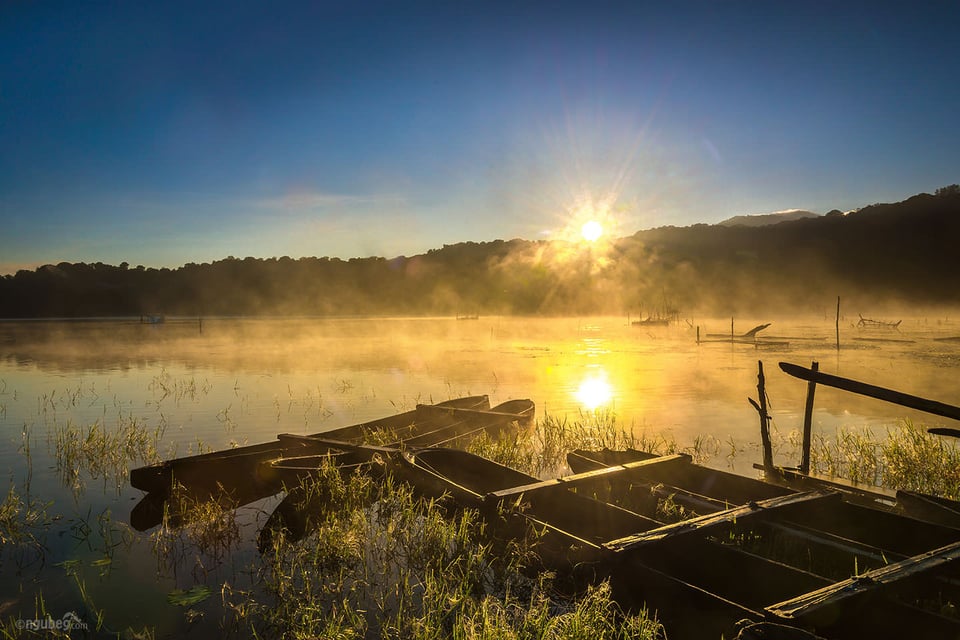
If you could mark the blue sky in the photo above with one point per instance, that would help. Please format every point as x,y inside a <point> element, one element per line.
<point>165,133</point>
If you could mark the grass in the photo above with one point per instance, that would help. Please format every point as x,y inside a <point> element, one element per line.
<point>905,457</point>
<point>23,523</point>
<point>542,450</point>
<point>381,563</point>
<point>101,452</point>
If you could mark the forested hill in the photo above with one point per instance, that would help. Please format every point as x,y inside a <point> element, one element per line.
<point>903,252</point>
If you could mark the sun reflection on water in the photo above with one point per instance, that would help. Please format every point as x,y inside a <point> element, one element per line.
<point>594,393</point>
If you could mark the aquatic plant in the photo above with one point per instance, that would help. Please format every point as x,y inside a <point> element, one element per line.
<point>23,522</point>
<point>101,452</point>
<point>906,457</point>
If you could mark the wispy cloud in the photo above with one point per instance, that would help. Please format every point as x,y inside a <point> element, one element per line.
<point>302,201</point>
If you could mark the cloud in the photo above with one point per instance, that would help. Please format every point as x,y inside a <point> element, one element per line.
<point>305,201</point>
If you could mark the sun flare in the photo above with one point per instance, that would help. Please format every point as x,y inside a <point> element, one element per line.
<point>591,230</point>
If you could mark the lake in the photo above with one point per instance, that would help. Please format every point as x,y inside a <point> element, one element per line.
<point>201,385</point>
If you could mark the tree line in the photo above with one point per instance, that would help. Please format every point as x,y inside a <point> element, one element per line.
<point>903,251</point>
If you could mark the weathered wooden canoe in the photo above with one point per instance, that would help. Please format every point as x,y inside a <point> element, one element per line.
<point>446,426</point>
<point>297,512</point>
<point>574,525</point>
<point>240,476</point>
<point>238,466</point>
<point>814,555</point>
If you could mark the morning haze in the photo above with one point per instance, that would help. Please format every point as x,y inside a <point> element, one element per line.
<point>874,257</point>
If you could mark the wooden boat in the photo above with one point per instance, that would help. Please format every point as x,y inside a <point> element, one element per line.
<point>652,321</point>
<point>573,526</point>
<point>296,513</point>
<point>237,466</point>
<point>867,323</point>
<point>456,425</point>
<point>818,556</point>
<point>243,475</point>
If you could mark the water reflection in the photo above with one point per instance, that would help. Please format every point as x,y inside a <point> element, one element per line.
<point>595,392</point>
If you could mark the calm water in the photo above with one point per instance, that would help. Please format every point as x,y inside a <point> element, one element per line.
<point>244,381</point>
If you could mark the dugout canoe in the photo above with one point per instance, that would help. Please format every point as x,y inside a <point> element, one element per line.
<point>233,467</point>
<point>811,554</point>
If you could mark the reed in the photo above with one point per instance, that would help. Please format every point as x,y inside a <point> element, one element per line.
<point>379,562</point>
<point>23,522</point>
<point>203,530</point>
<point>104,453</point>
<point>905,457</point>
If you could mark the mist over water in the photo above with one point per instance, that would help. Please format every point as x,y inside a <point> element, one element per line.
<point>245,380</point>
<point>225,381</point>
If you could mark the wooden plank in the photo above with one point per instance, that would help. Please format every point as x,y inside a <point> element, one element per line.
<point>332,444</point>
<point>872,391</point>
<point>705,524</point>
<point>868,495</point>
<point>586,478</point>
<point>810,605</point>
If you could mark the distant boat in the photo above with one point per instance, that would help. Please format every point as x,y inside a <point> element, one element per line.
<point>468,316</point>
<point>867,323</point>
<point>153,319</point>
<point>652,321</point>
<point>665,315</point>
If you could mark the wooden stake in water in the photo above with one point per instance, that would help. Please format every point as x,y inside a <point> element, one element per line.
<point>764,419</point>
<point>808,421</point>
<point>838,323</point>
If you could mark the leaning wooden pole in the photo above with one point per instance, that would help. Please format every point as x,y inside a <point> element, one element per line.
<point>808,421</point>
<point>764,419</point>
<point>813,376</point>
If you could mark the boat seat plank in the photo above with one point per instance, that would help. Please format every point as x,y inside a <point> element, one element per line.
<point>705,524</point>
<point>613,473</point>
<point>332,444</point>
<point>810,604</point>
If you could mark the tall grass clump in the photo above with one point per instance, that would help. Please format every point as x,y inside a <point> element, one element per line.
<point>376,561</point>
<point>102,452</point>
<point>542,450</point>
<point>202,530</point>
<point>906,457</point>
<point>22,523</point>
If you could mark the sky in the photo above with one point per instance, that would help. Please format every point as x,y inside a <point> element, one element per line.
<point>172,132</point>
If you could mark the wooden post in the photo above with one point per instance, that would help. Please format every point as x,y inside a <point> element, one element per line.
<point>838,323</point>
<point>764,419</point>
<point>698,334</point>
<point>808,422</point>
<point>731,326</point>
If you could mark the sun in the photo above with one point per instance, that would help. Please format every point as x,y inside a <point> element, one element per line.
<point>591,230</point>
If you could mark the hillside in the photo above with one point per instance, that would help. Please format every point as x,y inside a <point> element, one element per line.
<point>764,219</point>
<point>902,252</point>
